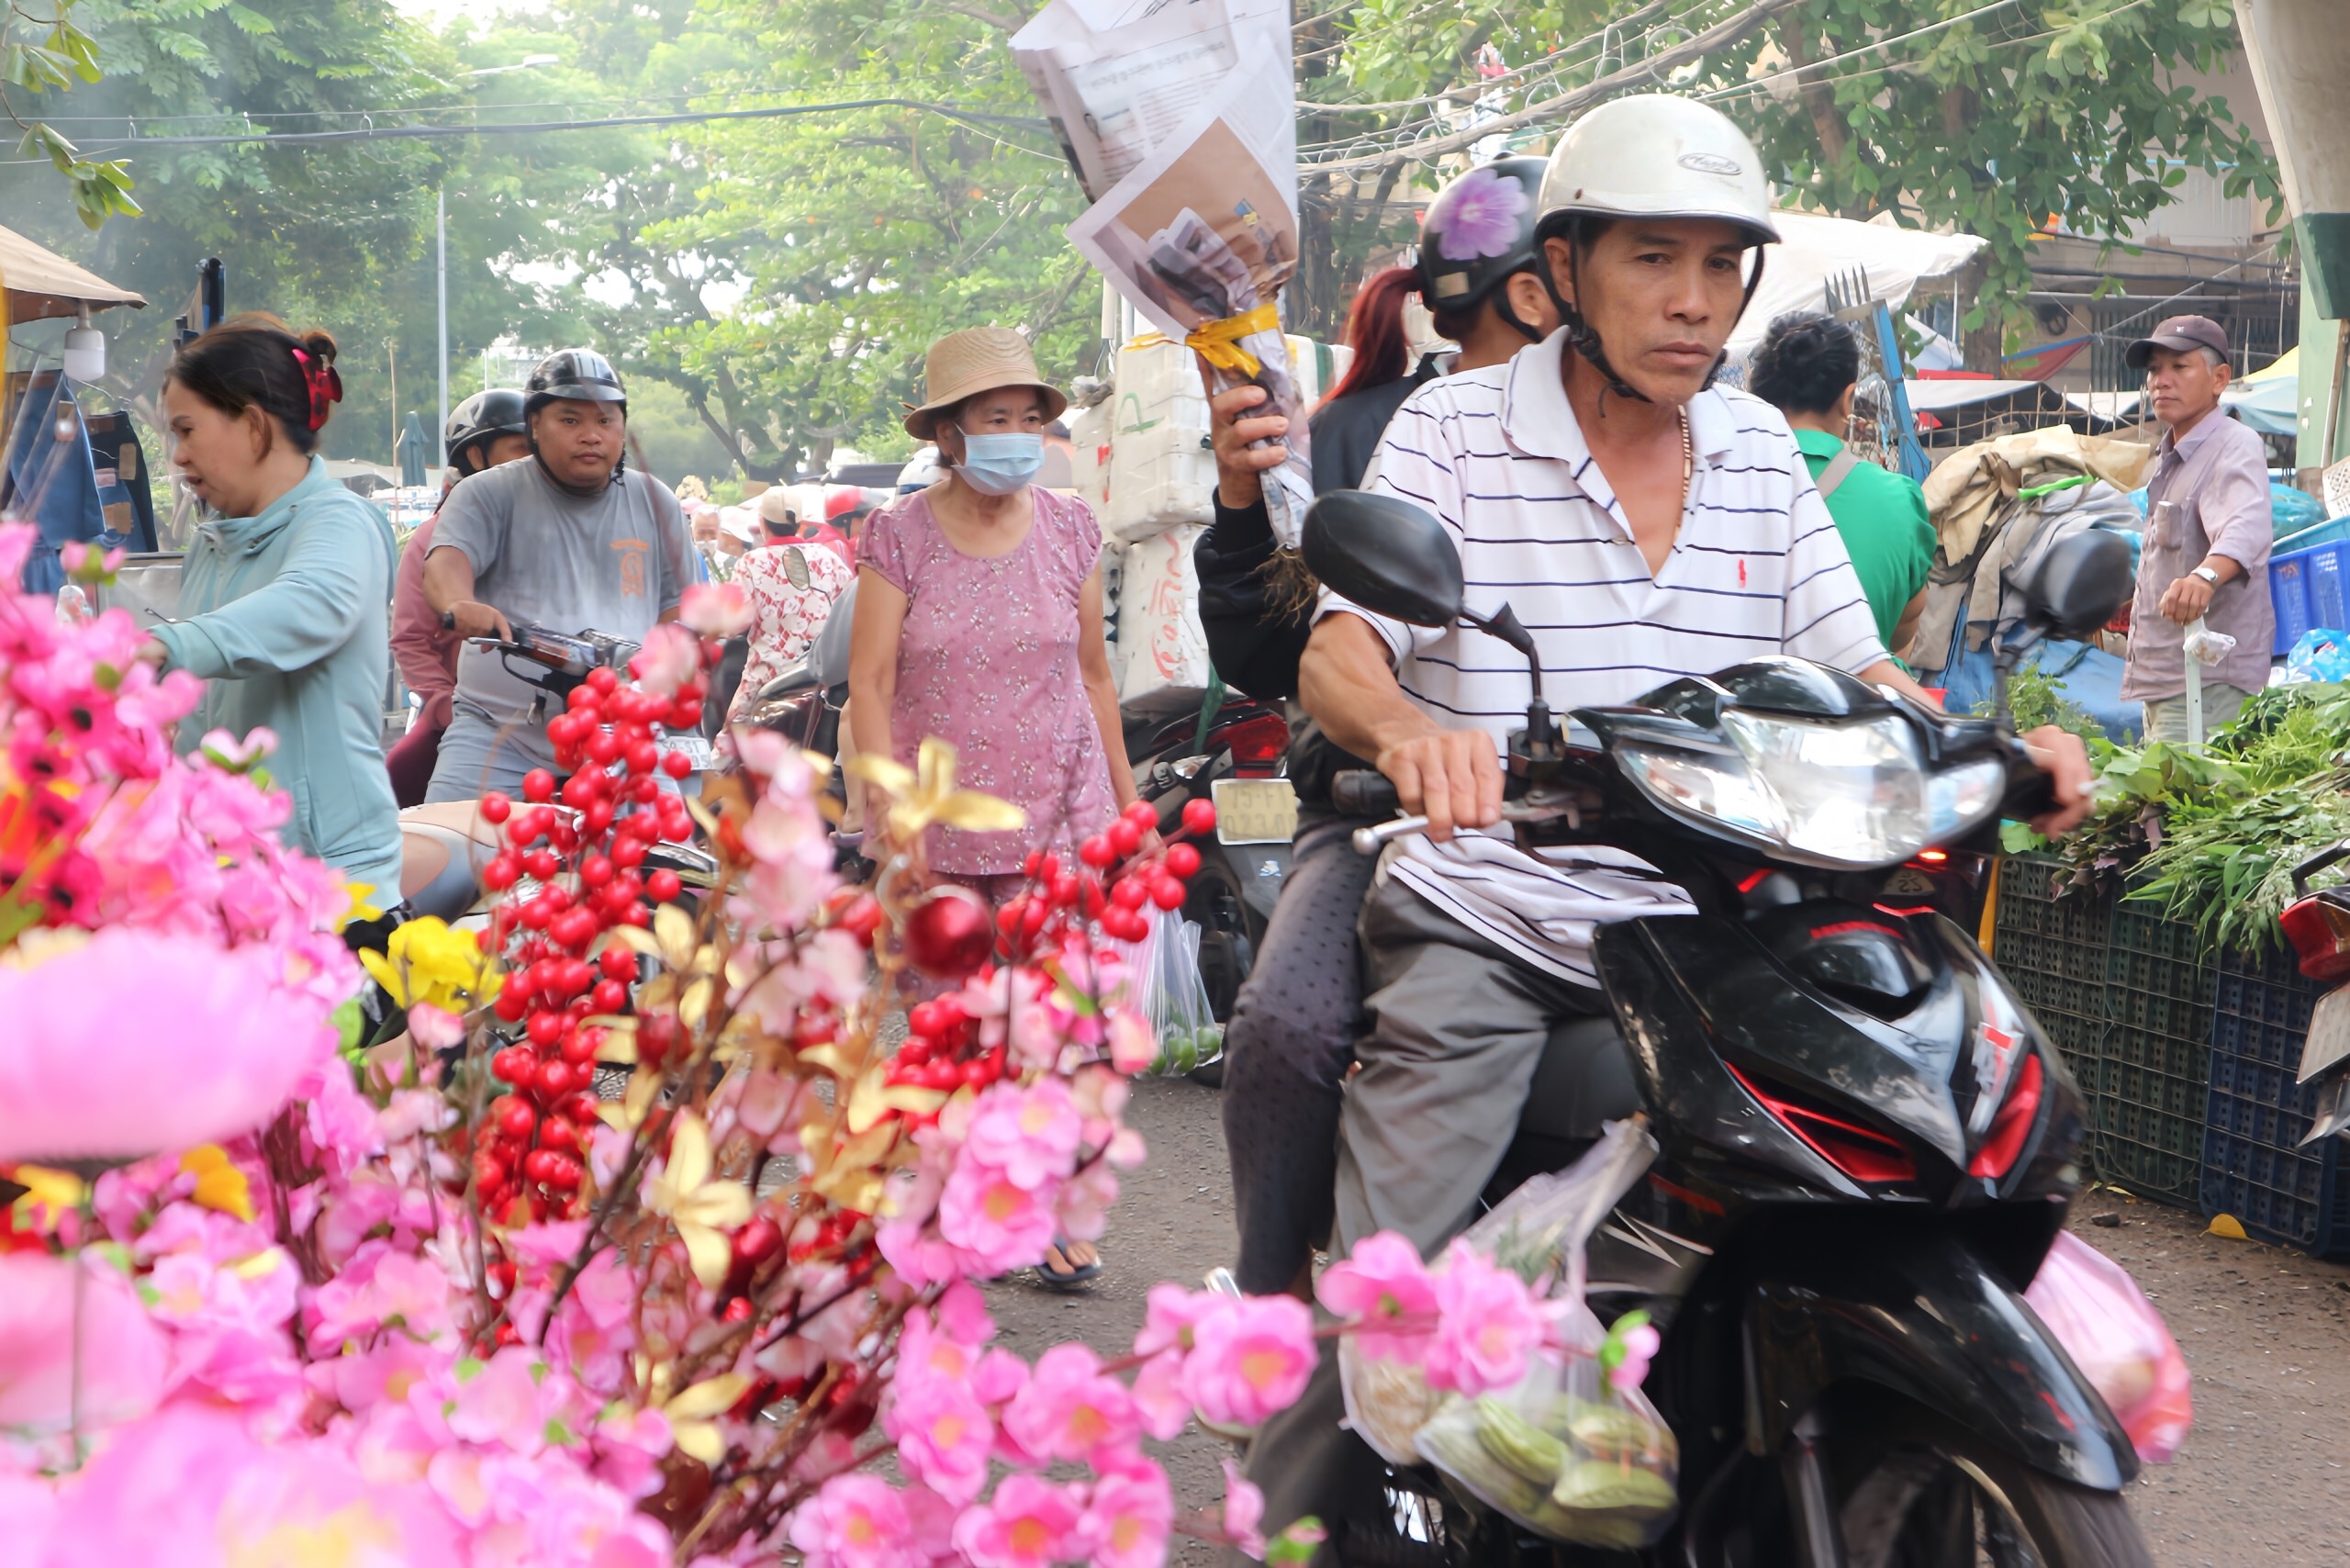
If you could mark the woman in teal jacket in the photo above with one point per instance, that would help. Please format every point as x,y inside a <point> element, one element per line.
<point>285,602</point>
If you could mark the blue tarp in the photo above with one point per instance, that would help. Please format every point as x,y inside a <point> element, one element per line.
<point>51,482</point>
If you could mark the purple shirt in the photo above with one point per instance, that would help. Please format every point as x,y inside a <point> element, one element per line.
<point>2219,476</point>
<point>988,661</point>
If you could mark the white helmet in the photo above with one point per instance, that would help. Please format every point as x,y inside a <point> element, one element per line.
<point>922,473</point>
<point>1651,156</point>
<point>1656,156</point>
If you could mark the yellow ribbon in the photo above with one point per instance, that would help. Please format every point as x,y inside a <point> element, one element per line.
<point>1218,343</point>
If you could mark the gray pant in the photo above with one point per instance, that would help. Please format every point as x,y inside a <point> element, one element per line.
<point>1292,1035</point>
<point>477,756</point>
<point>1457,1027</point>
<point>2167,716</point>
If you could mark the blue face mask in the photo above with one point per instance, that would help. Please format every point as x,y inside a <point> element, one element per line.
<point>997,465</point>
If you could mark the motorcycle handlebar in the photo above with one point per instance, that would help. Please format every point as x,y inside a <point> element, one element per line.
<point>1359,793</point>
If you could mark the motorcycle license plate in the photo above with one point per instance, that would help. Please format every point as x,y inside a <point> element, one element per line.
<point>1255,811</point>
<point>2329,1037</point>
<point>696,749</point>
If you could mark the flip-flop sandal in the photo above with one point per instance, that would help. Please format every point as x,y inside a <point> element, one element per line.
<point>1052,1278</point>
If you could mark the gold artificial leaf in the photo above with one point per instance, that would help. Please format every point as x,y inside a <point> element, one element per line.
<point>693,1008</point>
<point>886,772</point>
<point>713,1397</point>
<point>674,931</point>
<point>636,939</point>
<point>914,1098</point>
<point>831,1056</point>
<point>701,816</point>
<point>975,812</point>
<point>699,1440</point>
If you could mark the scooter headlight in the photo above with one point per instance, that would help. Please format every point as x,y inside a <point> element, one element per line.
<point>1836,795</point>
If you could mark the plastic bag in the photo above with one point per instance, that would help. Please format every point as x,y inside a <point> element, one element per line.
<point>2114,1335</point>
<point>1176,997</point>
<point>2321,654</point>
<point>1559,1451</point>
<point>1563,1453</point>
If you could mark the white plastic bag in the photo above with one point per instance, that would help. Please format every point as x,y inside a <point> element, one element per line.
<point>1175,996</point>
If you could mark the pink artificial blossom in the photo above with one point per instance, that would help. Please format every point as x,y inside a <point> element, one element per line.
<point>993,1220</point>
<point>1487,1324</point>
<point>943,1433</point>
<point>1128,1515</point>
<point>853,1521</point>
<point>98,1063</point>
<point>715,610</point>
<point>1386,1291</point>
<point>1071,1409</point>
<point>1250,1357</point>
<point>1244,1512</point>
<point>1030,1134</point>
<point>1029,1523</point>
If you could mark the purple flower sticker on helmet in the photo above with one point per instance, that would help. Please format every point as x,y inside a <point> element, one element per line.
<point>1477,217</point>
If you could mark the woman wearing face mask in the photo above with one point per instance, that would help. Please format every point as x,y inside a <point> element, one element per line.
<point>978,619</point>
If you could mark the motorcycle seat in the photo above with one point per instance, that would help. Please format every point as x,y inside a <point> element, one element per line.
<point>797,675</point>
<point>1584,1080</point>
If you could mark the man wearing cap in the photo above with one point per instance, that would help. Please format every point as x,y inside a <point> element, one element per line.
<point>2208,531</point>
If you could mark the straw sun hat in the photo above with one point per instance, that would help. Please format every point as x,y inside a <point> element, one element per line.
<point>976,359</point>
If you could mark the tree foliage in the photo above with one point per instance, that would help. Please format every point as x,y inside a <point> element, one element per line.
<point>776,281</point>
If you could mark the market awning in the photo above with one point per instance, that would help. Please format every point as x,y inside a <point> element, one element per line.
<point>1891,261</point>
<point>43,284</point>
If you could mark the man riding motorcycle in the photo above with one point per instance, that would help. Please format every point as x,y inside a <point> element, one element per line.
<point>1292,1026</point>
<point>1645,525</point>
<point>570,541</point>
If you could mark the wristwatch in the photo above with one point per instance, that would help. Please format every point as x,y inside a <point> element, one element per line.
<point>448,621</point>
<point>2207,574</point>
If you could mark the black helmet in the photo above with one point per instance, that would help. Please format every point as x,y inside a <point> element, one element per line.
<point>1478,232</point>
<point>482,418</point>
<point>581,375</point>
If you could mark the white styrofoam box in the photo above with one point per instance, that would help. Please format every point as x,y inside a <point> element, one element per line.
<point>1159,635</point>
<point>1089,435</point>
<point>1114,580</point>
<point>1162,471</point>
<point>1319,367</point>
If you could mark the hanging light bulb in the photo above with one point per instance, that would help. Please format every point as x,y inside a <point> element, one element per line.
<point>85,350</point>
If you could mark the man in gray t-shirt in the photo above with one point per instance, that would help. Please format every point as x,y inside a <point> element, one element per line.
<point>563,539</point>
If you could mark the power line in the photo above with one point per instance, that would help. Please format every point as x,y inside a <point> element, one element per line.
<point>442,132</point>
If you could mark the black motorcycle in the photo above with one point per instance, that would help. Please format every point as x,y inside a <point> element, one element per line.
<point>1232,756</point>
<point>1866,1143</point>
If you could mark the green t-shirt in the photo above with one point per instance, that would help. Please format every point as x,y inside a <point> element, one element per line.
<point>1882,517</point>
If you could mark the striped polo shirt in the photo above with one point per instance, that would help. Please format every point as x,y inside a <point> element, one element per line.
<point>1757,569</point>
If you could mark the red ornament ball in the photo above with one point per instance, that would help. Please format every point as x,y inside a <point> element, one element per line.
<point>949,932</point>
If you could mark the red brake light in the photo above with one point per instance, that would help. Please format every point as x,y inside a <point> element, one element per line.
<point>1932,856</point>
<point>2011,1126</point>
<point>1864,1154</point>
<point>2320,931</point>
<point>1256,743</point>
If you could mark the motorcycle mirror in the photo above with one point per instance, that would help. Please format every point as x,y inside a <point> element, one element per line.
<point>2080,584</point>
<point>1385,554</point>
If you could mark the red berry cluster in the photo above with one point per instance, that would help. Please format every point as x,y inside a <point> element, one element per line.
<point>939,1053</point>
<point>1061,896</point>
<point>587,858</point>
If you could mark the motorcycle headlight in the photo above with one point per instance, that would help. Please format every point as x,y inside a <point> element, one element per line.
<point>1854,794</point>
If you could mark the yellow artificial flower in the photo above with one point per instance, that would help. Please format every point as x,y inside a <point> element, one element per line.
<point>921,795</point>
<point>429,961</point>
<point>48,1197</point>
<point>218,1184</point>
<point>702,1209</point>
<point>360,894</point>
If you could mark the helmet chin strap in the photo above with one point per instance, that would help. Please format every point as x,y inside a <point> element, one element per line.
<point>1581,333</point>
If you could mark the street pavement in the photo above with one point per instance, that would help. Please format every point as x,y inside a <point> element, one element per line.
<point>2266,1330</point>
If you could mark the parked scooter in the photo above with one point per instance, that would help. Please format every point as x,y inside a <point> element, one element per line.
<point>1232,758</point>
<point>1867,1146</point>
<point>2318,925</point>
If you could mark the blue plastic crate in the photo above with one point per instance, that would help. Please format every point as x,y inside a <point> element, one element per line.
<point>2252,1165</point>
<point>2306,586</point>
